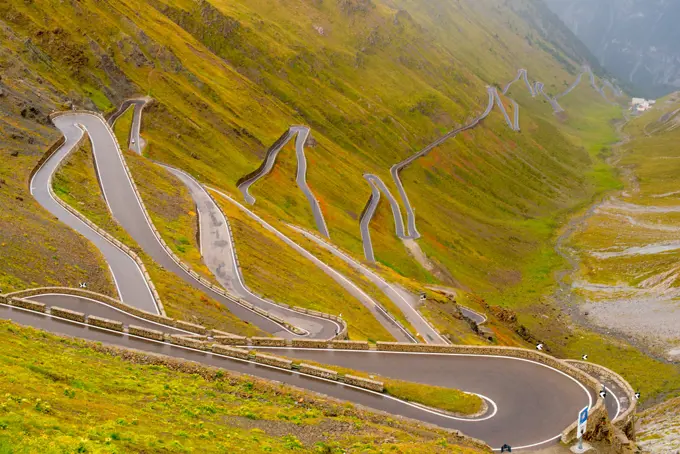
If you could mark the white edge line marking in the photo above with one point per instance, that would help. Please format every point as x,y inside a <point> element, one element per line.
<point>590,399</point>
<point>618,404</point>
<point>291,371</point>
<point>237,270</point>
<point>290,242</point>
<point>106,199</point>
<point>108,305</point>
<point>87,227</point>
<point>350,261</point>
<point>148,221</point>
<point>115,282</point>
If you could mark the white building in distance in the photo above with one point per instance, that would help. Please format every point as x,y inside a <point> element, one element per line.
<point>641,105</point>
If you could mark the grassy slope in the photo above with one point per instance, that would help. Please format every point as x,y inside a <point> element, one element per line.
<point>122,128</point>
<point>447,399</point>
<point>276,271</point>
<point>35,249</point>
<point>76,183</point>
<point>63,395</point>
<point>655,379</point>
<point>374,88</point>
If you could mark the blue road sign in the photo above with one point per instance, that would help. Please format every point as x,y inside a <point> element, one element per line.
<point>582,421</point>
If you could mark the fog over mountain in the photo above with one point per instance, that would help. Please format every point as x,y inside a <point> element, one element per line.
<point>635,40</point>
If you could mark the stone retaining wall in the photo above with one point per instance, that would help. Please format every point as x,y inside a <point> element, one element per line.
<point>27,304</point>
<point>350,345</point>
<point>45,157</point>
<point>273,361</point>
<point>268,341</point>
<point>364,383</point>
<point>147,333</point>
<point>67,314</point>
<point>104,323</point>
<point>115,303</point>
<point>231,351</point>
<point>185,341</point>
<point>625,419</point>
<point>231,340</point>
<point>318,371</point>
<point>308,343</point>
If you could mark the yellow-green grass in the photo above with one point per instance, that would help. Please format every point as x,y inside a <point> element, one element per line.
<point>374,90</point>
<point>171,208</point>
<point>439,397</point>
<point>123,126</point>
<point>36,249</point>
<point>65,395</point>
<point>378,86</point>
<point>274,270</point>
<point>76,184</point>
<point>351,273</point>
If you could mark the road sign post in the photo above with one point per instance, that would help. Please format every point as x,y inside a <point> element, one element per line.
<point>582,423</point>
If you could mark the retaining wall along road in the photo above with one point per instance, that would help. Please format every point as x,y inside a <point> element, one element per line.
<point>104,323</point>
<point>231,351</point>
<point>625,421</point>
<point>373,385</point>
<point>598,411</point>
<point>272,360</point>
<point>26,304</point>
<point>179,324</point>
<point>145,332</point>
<point>318,371</point>
<point>67,314</point>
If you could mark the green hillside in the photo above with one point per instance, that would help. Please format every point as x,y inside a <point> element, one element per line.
<point>376,81</point>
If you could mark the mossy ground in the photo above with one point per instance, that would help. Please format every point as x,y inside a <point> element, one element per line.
<point>61,395</point>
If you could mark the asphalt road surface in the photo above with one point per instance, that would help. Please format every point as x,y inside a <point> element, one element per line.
<point>127,209</point>
<point>217,251</point>
<point>533,403</point>
<point>301,133</point>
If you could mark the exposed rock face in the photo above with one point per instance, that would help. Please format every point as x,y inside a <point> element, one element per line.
<point>659,428</point>
<point>636,40</point>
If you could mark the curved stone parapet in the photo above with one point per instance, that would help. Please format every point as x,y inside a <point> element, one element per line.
<point>534,374</point>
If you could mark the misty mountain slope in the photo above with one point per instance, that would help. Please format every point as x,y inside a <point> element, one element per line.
<point>636,40</point>
<point>376,81</point>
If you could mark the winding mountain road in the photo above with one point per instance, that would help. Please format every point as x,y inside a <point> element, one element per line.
<point>378,186</point>
<point>302,134</point>
<point>217,251</point>
<point>404,300</point>
<point>530,403</point>
<point>128,211</point>
<point>130,282</point>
